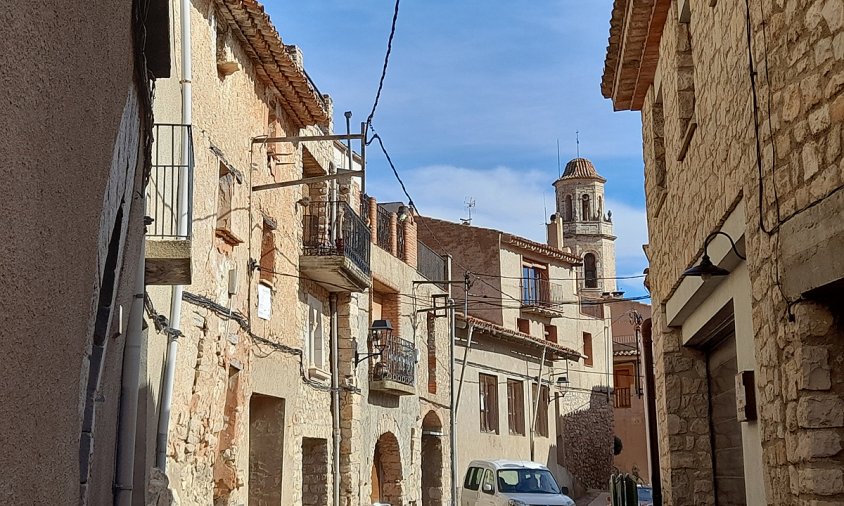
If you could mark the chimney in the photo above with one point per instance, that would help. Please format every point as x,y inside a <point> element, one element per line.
<point>555,232</point>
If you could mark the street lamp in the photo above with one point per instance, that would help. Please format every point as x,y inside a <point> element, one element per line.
<point>380,333</point>
<point>707,269</point>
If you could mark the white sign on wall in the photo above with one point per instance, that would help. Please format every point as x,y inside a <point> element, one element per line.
<point>265,298</point>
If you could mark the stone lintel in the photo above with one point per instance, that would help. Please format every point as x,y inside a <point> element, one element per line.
<point>811,246</point>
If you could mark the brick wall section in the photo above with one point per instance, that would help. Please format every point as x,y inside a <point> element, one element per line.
<point>799,389</point>
<point>469,246</point>
<point>409,254</point>
<point>373,219</point>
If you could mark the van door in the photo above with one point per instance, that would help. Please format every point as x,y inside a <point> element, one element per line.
<point>486,494</point>
<point>471,486</point>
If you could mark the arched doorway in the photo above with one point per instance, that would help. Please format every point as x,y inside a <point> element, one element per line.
<point>386,471</point>
<point>432,460</point>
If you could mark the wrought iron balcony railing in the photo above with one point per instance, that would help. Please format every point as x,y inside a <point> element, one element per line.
<point>170,188</point>
<point>429,264</point>
<point>397,362</point>
<point>382,231</point>
<point>622,397</point>
<point>334,229</point>
<point>540,293</point>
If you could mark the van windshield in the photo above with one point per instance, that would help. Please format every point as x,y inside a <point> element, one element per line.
<point>527,481</point>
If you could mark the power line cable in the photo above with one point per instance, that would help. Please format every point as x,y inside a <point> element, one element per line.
<point>386,63</point>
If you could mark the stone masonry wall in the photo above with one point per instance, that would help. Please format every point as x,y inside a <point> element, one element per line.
<point>228,112</point>
<point>587,427</point>
<point>799,388</point>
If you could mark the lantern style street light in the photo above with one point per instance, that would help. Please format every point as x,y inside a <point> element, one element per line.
<point>380,334</point>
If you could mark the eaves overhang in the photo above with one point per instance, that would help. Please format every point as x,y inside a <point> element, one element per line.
<point>554,350</point>
<point>275,62</point>
<point>633,51</point>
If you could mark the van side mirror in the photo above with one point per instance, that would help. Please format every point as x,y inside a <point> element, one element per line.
<point>565,490</point>
<point>487,488</point>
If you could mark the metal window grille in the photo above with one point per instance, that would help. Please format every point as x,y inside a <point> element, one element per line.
<point>170,188</point>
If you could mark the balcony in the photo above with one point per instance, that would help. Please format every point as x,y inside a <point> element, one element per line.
<point>336,244</point>
<point>395,370</point>
<point>430,264</point>
<point>541,297</point>
<point>169,201</point>
<point>622,397</point>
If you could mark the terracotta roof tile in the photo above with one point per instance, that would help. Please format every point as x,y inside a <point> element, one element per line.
<point>498,331</point>
<point>274,63</point>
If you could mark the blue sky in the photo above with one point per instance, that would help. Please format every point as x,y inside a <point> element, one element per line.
<point>476,96</point>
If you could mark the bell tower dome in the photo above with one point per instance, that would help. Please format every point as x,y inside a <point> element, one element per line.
<point>587,226</point>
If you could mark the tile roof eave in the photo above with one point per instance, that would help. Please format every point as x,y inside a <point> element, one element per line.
<point>505,333</point>
<point>273,63</point>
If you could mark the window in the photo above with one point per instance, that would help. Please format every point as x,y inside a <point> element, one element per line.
<point>587,349</point>
<point>314,339</point>
<point>685,80</point>
<point>534,284</point>
<point>541,426</point>
<point>569,209</point>
<point>224,199</point>
<point>587,209</point>
<point>659,178</point>
<point>523,325</point>
<point>488,389</point>
<point>432,354</point>
<point>551,333</point>
<point>268,250</point>
<point>516,407</point>
<point>473,478</point>
<point>590,270</point>
<point>489,482</point>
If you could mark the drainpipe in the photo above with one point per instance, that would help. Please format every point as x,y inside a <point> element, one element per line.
<point>335,395</point>
<point>536,402</point>
<point>184,205</point>
<point>128,418</point>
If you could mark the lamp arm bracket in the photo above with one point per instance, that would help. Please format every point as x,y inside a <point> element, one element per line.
<point>732,243</point>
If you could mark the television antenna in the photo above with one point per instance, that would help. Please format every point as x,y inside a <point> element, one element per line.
<point>469,202</point>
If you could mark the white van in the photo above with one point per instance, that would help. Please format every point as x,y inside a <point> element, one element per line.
<point>511,483</point>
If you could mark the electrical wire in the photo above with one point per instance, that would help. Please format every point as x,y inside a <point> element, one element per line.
<point>386,63</point>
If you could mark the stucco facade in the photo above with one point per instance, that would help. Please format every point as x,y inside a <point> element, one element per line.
<point>73,236</point>
<point>772,326</point>
<point>523,300</point>
<point>629,414</point>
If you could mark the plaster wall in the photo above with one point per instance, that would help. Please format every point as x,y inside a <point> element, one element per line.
<point>59,208</point>
<point>208,448</point>
<point>560,453</point>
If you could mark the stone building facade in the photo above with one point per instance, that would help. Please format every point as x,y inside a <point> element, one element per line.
<point>525,321</point>
<point>749,397</point>
<point>76,161</point>
<point>281,393</point>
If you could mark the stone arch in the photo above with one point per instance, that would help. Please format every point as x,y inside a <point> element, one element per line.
<point>586,212</point>
<point>432,460</point>
<point>386,471</point>
<point>569,209</point>
<point>590,270</point>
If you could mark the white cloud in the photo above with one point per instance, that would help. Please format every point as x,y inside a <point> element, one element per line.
<point>511,200</point>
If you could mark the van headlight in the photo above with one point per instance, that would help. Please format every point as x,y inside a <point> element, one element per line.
<point>516,502</point>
